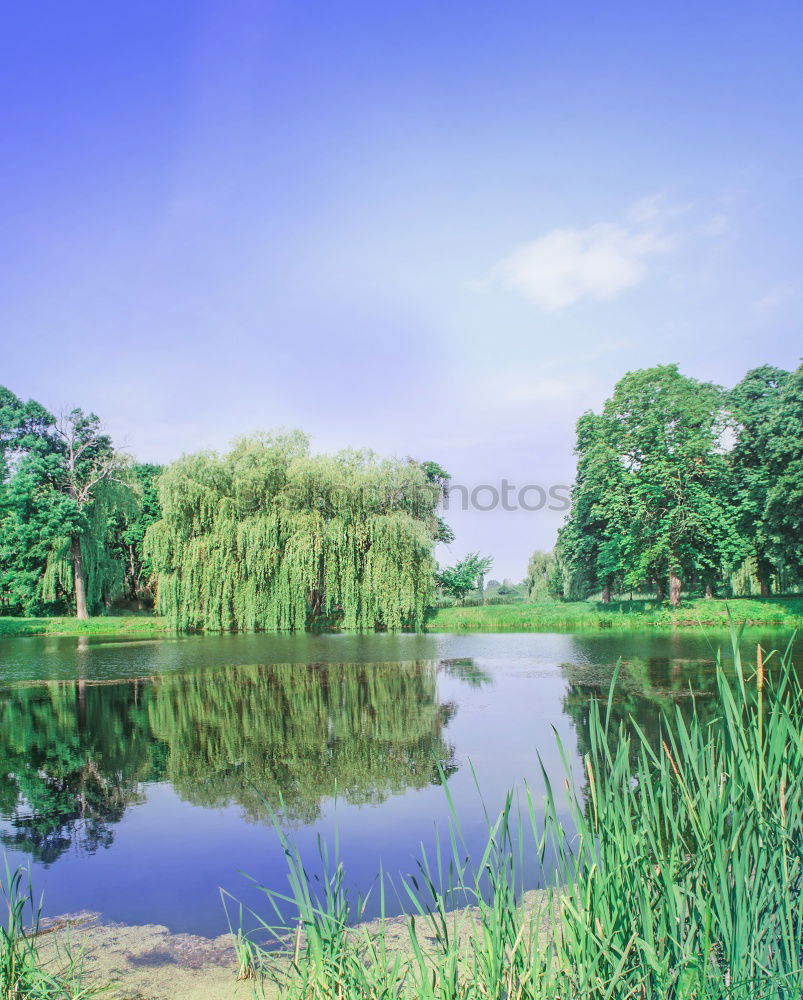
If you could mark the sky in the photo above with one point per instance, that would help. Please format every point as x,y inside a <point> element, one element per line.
<point>439,230</point>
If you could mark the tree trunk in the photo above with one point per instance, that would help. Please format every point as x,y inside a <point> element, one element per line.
<point>606,592</point>
<point>709,591</point>
<point>660,593</point>
<point>674,588</point>
<point>80,579</point>
<point>764,574</point>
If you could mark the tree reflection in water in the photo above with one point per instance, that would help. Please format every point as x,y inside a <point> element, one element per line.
<point>270,738</point>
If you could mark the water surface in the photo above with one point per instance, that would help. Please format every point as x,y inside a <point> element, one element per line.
<point>137,777</point>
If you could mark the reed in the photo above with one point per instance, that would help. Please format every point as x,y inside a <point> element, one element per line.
<point>679,875</point>
<point>24,974</point>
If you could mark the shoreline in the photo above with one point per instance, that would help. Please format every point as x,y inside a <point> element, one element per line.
<point>138,961</point>
<point>772,612</point>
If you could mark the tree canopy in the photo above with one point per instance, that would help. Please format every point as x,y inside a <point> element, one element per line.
<point>767,411</point>
<point>465,576</point>
<point>662,500</point>
<point>544,579</point>
<point>64,494</point>
<point>268,536</point>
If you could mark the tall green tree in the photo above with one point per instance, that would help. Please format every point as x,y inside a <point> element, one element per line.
<point>28,516</point>
<point>63,481</point>
<point>667,430</point>
<point>91,476</point>
<point>767,462</point>
<point>592,545</point>
<point>268,536</point>
<point>651,499</point>
<point>132,526</point>
<point>784,507</point>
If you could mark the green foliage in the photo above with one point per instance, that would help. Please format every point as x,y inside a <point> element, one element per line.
<point>636,614</point>
<point>269,537</point>
<point>544,577</point>
<point>132,526</point>
<point>465,576</point>
<point>278,737</point>
<point>659,497</point>
<point>439,477</point>
<point>662,502</point>
<point>24,975</point>
<point>281,738</point>
<point>679,874</point>
<point>767,459</point>
<point>75,755</point>
<point>64,493</point>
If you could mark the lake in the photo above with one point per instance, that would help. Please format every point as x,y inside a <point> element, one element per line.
<point>138,777</point>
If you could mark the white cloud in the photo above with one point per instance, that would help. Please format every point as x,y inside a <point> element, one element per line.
<point>599,262</point>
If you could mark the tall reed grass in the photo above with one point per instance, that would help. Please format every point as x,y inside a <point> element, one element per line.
<point>24,974</point>
<point>681,877</point>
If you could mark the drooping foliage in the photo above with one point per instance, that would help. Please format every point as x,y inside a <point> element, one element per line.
<point>268,536</point>
<point>544,576</point>
<point>298,731</point>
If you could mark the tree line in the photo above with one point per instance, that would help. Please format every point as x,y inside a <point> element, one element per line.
<point>682,484</point>
<point>74,511</point>
<point>265,536</point>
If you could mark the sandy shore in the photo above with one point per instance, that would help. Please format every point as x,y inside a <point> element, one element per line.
<point>148,962</point>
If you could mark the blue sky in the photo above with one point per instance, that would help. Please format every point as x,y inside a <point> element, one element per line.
<point>433,229</point>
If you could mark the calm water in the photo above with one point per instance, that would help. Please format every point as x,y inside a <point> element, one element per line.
<point>138,777</point>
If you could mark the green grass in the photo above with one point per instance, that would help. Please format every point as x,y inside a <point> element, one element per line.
<point>681,879</point>
<point>780,611</point>
<point>24,975</point>
<point>110,625</point>
<point>785,612</point>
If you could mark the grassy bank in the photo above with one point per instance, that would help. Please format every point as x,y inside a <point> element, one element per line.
<point>109,625</point>
<point>785,612</point>
<point>678,876</point>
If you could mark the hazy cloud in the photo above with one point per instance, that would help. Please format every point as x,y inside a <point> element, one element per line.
<point>598,262</point>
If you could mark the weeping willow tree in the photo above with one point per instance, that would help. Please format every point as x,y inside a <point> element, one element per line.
<point>752,579</point>
<point>270,537</point>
